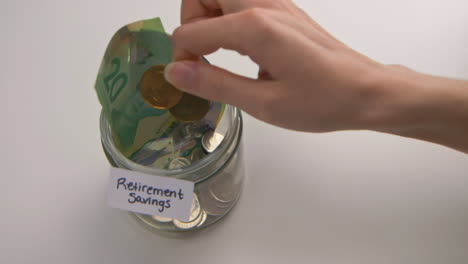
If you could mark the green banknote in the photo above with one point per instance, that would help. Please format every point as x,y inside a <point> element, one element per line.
<point>132,50</point>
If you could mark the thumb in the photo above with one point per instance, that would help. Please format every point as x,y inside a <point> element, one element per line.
<point>213,83</point>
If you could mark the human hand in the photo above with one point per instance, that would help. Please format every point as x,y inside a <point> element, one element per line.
<point>308,81</point>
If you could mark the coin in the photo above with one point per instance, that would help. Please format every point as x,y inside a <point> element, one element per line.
<point>195,208</point>
<point>163,161</point>
<point>183,133</point>
<point>194,218</point>
<point>211,140</point>
<point>187,147</point>
<point>224,188</point>
<point>187,225</point>
<point>197,154</point>
<point>153,151</point>
<point>156,91</point>
<point>210,205</point>
<point>202,218</point>
<point>178,163</point>
<point>225,195</point>
<point>162,219</point>
<point>190,108</point>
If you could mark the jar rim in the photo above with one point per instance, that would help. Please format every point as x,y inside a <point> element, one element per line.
<point>235,128</point>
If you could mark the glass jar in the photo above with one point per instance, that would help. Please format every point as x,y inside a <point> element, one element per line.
<point>218,176</point>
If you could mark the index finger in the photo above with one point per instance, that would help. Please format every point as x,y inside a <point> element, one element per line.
<point>192,10</point>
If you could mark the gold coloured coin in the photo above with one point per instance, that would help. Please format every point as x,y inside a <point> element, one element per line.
<point>190,108</point>
<point>156,91</point>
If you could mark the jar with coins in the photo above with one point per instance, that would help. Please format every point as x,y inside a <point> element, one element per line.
<point>215,166</point>
<point>149,126</point>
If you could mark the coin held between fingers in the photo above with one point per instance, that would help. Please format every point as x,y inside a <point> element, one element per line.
<point>156,91</point>
<point>190,108</point>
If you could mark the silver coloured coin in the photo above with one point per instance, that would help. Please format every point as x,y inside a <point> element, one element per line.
<point>227,195</point>
<point>187,132</point>
<point>194,209</point>
<point>152,151</point>
<point>196,155</point>
<point>187,146</point>
<point>162,219</point>
<point>211,141</point>
<point>182,134</point>
<point>202,218</point>
<point>178,163</point>
<point>163,161</point>
<point>195,216</point>
<point>210,206</point>
<point>187,225</point>
<point>224,189</point>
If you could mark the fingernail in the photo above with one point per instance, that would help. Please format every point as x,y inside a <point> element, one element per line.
<point>181,74</point>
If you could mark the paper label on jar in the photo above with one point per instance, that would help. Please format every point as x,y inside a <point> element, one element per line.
<point>149,194</point>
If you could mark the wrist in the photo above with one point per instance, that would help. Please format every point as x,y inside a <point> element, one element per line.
<point>415,105</point>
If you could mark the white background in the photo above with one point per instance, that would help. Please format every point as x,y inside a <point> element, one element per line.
<point>348,197</point>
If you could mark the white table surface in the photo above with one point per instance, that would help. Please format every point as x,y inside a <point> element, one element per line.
<point>347,197</point>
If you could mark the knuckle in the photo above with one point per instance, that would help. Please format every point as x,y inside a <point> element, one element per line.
<point>259,25</point>
<point>255,12</point>
<point>251,29</point>
<point>256,17</point>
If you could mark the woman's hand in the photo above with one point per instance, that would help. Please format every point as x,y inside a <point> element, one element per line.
<point>308,80</point>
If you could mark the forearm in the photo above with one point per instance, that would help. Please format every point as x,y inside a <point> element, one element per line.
<point>423,107</point>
